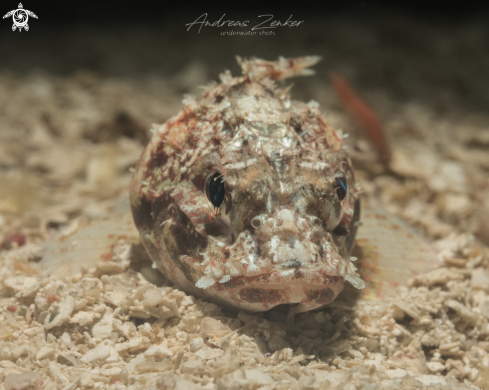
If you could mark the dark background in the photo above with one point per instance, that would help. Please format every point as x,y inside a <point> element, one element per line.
<point>431,51</point>
<point>155,11</point>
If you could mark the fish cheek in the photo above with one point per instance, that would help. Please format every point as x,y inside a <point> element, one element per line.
<point>350,239</point>
<point>340,244</point>
<point>344,234</point>
<point>228,200</point>
<point>142,214</point>
<point>172,226</point>
<point>180,235</point>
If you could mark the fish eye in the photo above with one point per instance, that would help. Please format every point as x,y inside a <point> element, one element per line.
<point>216,189</point>
<point>341,184</point>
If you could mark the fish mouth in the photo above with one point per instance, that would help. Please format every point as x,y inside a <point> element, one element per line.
<point>306,289</point>
<point>280,278</point>
<point>258,273</point>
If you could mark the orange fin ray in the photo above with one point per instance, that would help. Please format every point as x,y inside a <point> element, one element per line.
<point>364,114</point>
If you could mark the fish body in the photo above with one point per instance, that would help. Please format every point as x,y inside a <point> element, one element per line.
<point>248,198</point>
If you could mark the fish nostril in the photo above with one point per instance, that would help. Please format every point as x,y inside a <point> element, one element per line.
<point>316,221</point>
<point>317,234</point>
<point>255,222</point>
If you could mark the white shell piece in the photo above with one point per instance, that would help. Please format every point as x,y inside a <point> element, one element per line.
<point>355,281</point>
<point>225,278</point>
<point>205,282</point>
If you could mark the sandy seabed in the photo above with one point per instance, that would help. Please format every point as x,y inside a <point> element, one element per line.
<point>67,146</point>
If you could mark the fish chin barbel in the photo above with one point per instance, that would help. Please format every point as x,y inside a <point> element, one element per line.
<point>248,198</point>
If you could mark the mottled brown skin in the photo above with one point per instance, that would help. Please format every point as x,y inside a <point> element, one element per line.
<point>282,234</point>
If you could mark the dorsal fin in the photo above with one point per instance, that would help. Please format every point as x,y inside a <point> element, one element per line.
<point>256,68</point>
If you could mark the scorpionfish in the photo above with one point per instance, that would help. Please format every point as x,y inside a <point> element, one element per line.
<point>247,198</point>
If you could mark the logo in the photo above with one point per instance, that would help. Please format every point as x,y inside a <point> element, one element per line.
<point>265,26</point>
<point>20,16</point>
